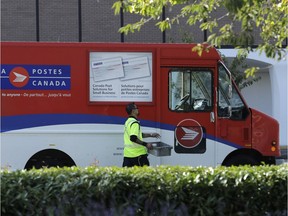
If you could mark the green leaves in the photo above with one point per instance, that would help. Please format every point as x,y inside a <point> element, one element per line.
<point>164,25</point>
<point>163,190</point>
<point>242,21</point>
<point>117,7</point>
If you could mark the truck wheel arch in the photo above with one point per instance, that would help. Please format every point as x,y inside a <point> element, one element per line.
<point>243,157</point>
<point>49,158</point>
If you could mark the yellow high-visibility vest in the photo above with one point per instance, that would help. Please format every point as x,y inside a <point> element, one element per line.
<point>131,149</point>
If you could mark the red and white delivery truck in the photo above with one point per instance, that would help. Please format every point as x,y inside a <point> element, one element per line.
<point>63,104</point>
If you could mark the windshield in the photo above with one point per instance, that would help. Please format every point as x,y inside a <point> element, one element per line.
<point>226,103</point>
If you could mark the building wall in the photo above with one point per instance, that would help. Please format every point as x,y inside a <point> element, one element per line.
<point>59,21</point>
<point>260,90</point>
<point>18,20</point>
<point>99,22</point>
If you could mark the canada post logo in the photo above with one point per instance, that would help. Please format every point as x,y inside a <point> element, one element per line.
<point>35,77</point>
<point>190,137</point>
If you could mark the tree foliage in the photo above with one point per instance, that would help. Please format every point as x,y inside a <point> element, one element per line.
<point>269,17</point>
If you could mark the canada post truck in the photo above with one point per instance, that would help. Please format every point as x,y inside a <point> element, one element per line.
<point>63,104</point>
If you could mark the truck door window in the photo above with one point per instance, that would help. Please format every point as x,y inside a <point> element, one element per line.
<point>190,89</point>
<point>233,107</point>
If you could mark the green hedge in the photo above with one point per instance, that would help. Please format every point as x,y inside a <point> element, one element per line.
<point>163,190</point>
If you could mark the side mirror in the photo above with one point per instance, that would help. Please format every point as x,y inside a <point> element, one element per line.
<point>225,112</point>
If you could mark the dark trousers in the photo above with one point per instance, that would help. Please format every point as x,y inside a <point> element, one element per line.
<point>141,160</point>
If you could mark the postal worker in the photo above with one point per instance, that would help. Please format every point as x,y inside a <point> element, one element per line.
<point>135,149</point>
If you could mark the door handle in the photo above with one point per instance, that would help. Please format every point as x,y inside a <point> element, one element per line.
<point>212,117</point>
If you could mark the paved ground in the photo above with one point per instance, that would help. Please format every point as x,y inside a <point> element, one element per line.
<point>283,158</point>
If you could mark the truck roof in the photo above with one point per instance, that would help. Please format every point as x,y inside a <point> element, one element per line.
<point>167,50</point>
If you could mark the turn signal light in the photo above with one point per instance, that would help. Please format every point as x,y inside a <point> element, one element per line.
<point>273,148</point>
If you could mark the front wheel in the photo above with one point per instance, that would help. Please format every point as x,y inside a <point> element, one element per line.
<point>239,160</point>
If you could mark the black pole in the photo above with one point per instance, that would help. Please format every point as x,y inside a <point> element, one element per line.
<point>37,21</point>
<point>205,32</point>
<point>164,32</point>
<point>122,22</point>
<point>80,20</point>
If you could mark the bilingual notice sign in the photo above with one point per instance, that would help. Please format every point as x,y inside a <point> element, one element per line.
<point>120,76</point>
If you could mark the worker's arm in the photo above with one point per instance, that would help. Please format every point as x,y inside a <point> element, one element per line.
<point>135,139</point>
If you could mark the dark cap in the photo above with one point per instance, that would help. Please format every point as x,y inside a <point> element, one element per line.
<point>130,107</point>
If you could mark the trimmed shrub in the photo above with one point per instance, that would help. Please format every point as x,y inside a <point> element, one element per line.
<point>164,190</point>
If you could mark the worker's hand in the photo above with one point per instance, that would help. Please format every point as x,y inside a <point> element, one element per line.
<point>149,146</point>
<point>156,135</point>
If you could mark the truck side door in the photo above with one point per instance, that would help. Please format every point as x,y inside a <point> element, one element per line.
<point>187,105</point>
<point>233,117</point>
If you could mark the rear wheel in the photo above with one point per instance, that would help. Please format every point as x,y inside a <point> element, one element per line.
<point>49,158</point>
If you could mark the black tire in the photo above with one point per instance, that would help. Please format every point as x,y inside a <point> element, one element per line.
<point>239,160</point>
<point>49,158</point>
